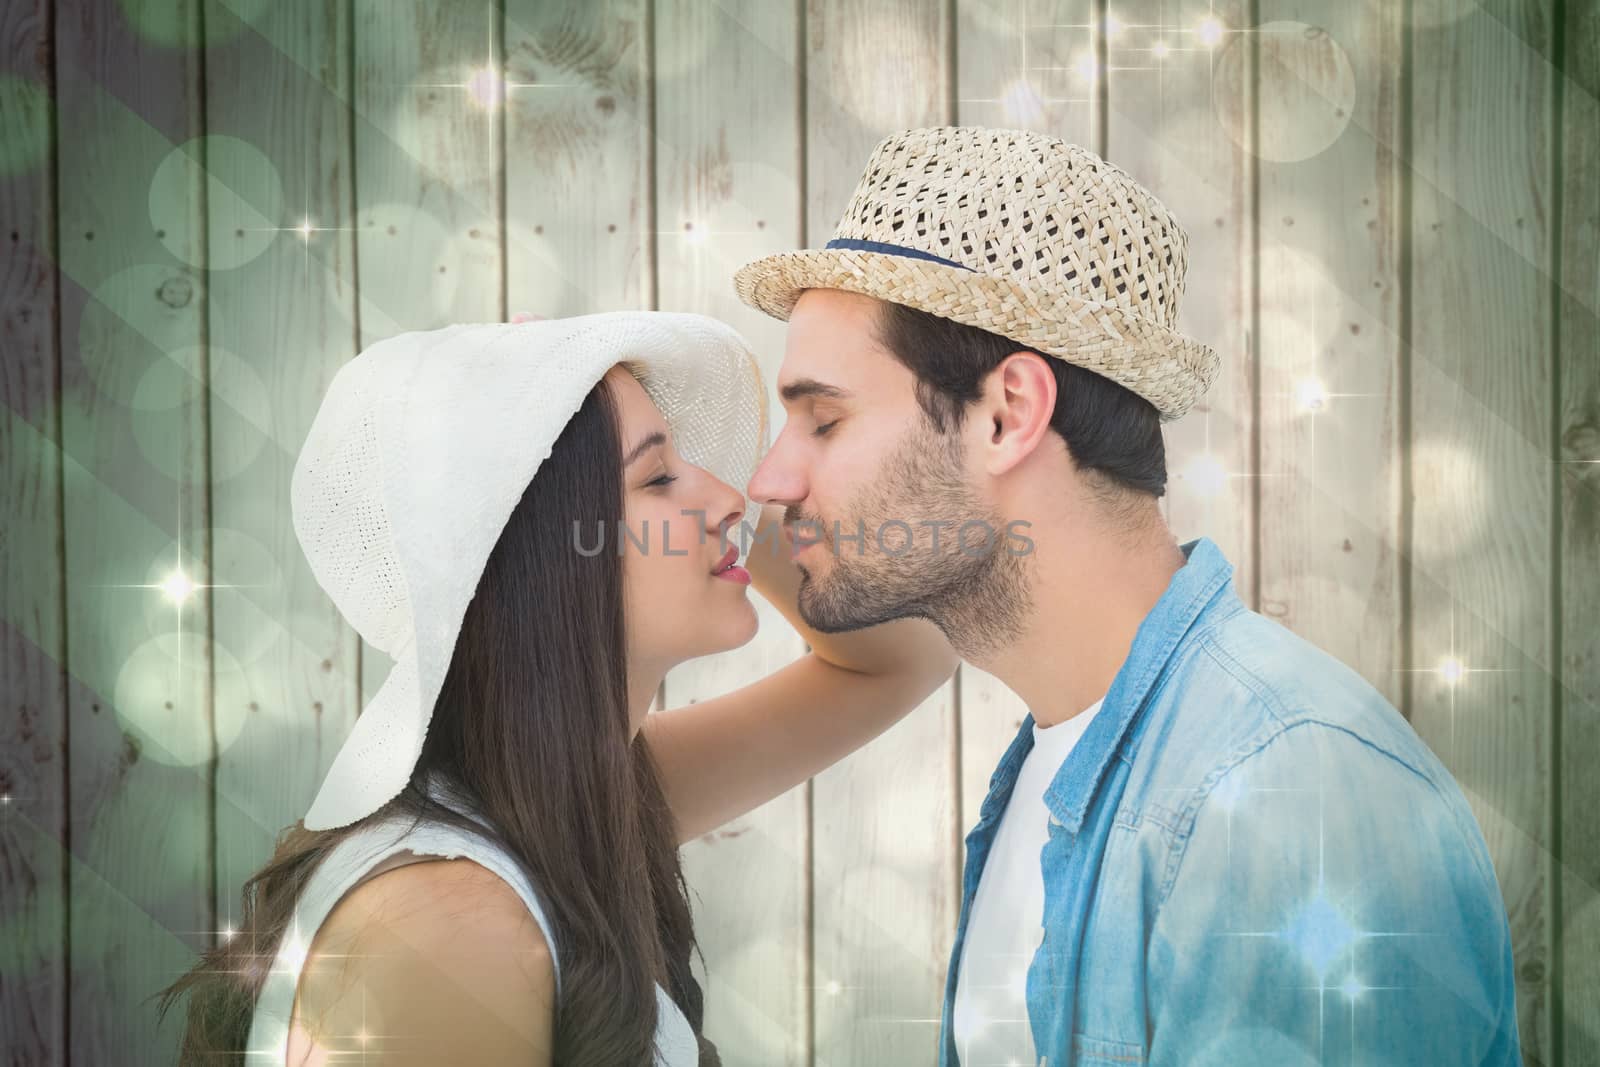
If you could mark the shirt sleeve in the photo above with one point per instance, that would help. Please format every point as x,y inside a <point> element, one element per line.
<point>1330,904</point>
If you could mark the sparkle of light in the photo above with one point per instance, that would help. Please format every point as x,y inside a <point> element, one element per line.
<point>1160,50</point>
<point>276,1054</point>
<point>1451,669</point>
<point>304,229</point>
<point>1086,67</point>
<point>1311,395</point>
<point>833,988</point>
<point>178,588</point>
<point>363,1036</point>
<point>1351,988</point>
<point>294,953</point>
<point>1210,31</point>
<point>486,87</point>
<point>1321,934</point>
<point>1206,475</point>
<point>695,235</point>
<point>228,932</point>
<point>1021,103</point>
<point>1228,792</point>
<point>1113,25</point>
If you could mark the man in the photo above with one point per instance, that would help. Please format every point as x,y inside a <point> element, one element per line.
<point>1210,842</point>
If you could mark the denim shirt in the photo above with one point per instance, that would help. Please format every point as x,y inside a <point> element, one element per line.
<point>1252,859</point>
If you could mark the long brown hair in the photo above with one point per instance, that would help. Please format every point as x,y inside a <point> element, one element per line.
<point>532,728</point>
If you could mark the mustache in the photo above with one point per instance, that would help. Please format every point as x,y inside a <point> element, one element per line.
<point>812,528</point>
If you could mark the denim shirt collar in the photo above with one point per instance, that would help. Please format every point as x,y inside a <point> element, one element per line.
<point>1192,588</point>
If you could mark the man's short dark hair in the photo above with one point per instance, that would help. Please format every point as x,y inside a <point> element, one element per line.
<point>1108,428</point>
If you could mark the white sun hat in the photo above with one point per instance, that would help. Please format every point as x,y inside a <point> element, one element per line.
<point>422,447</point>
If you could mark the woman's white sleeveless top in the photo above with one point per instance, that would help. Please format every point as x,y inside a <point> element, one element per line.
<point>358,857</point>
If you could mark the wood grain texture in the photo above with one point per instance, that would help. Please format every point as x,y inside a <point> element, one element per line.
<point>727,144</point>
<point>281,322</point>
<point>1328,314</point>
<point>643,151</point>
<point>429,173</point>
<point>133,434</point>
<point>1018,66</point>
<point>33,699</point>
<point>1181,127</point>
<point>885,841</point>
<point>1480,388</point>
<point>1578,579</point>
<point>578,144</point>
<point>428,164</point>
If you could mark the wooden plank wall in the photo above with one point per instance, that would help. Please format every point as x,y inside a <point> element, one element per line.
<point>282,320</point>
<point>132,257</point>
<point>1575,963</point>
<point>885,845</point>
<point>728,185</point>
<point>210,205</point>
<point>1480,419</point>
<point>33,687</point>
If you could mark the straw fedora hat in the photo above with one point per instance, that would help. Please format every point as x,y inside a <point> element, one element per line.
<point>1018,233</point>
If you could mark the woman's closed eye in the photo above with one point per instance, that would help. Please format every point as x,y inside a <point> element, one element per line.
<point>663,480</point>
<point>824,428</point>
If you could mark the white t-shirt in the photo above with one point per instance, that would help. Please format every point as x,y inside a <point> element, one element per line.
<point>990,1017</point>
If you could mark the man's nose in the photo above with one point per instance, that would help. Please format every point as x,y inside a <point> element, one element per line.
<point>779,478</point>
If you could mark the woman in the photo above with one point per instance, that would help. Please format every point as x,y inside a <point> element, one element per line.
<point>536,522</point>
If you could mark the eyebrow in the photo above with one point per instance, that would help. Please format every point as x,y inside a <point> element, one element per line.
<point>803,387</point>
<point>656,438</point>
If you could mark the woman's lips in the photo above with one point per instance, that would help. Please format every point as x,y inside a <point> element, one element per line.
<point>729,571</point>
<point>734,574</point>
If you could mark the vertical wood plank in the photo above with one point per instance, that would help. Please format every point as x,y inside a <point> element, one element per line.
<point>33,699</point>
<point>885,841</point>
<point>429,170</point>
<point>1020,65</point>
<point>578,143</point>
<point>132,257</point>
<point>281,321</point>
<point>1180,124</point>
<point>1578,580</point>
<point>1480,391</point>
<point>727,190</point>
<point>1329,328</point>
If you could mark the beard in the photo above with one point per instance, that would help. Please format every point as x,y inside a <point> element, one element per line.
<point>912,560</point>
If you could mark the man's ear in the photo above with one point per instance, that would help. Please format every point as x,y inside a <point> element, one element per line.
<point>1018,401</point>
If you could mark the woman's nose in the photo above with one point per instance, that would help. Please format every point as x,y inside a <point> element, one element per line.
<point>725,508</point>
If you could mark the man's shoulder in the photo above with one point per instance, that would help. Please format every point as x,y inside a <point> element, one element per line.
<point>1270,679</point>
<point>1249,696</point>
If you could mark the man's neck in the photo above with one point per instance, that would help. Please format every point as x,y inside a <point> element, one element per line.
<point>1090,591</point>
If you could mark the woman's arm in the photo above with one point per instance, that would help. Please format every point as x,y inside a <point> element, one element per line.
<point>721,757</point>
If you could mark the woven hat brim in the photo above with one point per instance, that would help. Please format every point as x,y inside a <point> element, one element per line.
<point>698,371</point>
<point>1165,367</point>
<point>376,758</point>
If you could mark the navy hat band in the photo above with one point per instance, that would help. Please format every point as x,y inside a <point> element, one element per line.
<point>893,250</point>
